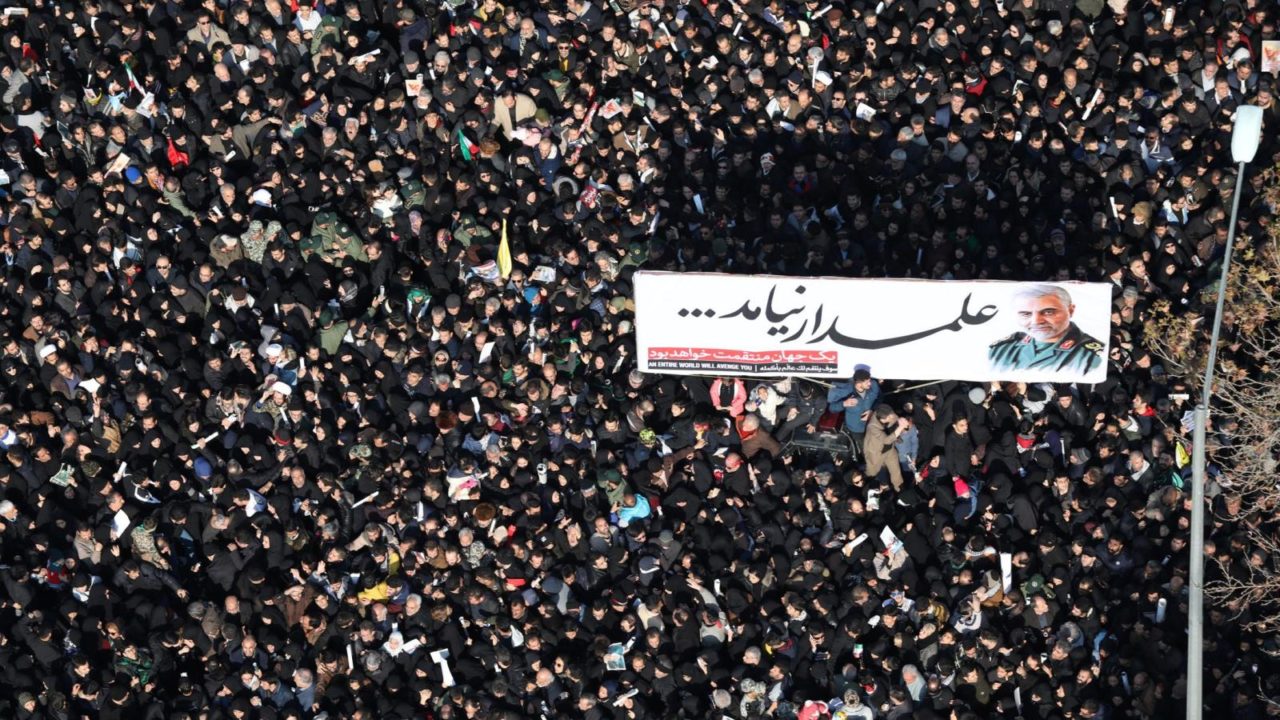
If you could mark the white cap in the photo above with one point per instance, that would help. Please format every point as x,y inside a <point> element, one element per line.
<point>48,350</point>
<point>282,388</point>
<point>822,76</point>
<point>274,349</point>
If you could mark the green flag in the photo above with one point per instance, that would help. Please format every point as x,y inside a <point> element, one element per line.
<point>468,149</point>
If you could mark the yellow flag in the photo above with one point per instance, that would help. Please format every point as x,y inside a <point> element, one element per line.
<point>1182,457</point>
<point>504,253</point>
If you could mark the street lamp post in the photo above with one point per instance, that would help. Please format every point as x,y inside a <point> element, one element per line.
<point>1245,137</point>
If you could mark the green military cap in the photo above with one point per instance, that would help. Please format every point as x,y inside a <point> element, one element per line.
<point>325,218</point>
<point>413,193</point>
<point>465,229</point>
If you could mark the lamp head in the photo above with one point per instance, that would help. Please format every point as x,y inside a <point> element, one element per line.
<point>1246,134</point>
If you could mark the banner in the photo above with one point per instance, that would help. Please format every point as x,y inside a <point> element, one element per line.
<point>714,324</point>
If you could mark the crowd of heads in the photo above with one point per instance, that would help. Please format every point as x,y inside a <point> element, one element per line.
<point>287,436</point>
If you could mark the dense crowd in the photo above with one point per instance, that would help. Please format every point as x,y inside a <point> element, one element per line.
<point>285,439</point>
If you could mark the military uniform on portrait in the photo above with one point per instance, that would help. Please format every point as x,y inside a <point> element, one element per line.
<point>1075,352</point>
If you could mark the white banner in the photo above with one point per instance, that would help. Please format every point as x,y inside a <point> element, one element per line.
<point>714,324</point>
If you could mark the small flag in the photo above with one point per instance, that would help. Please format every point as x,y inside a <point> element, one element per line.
<point>133,81</point>
<point>504,253</point>
<point>177,158</point>
<point>467,147</point>
<point>1183,458</point>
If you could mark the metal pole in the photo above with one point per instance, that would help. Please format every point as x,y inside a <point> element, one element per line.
<point>1195,600</point>
<point>1207,391</point>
